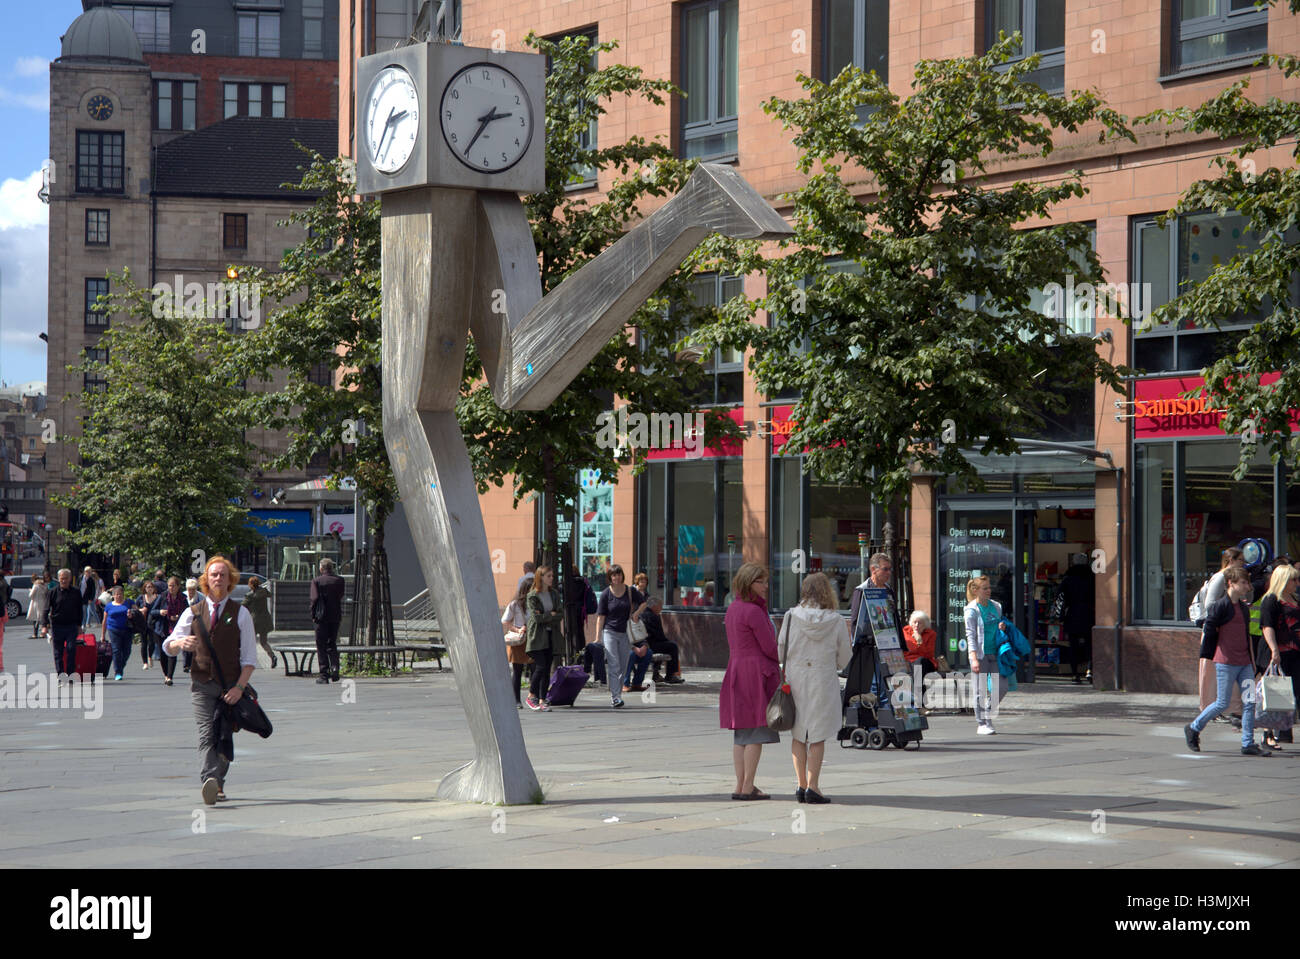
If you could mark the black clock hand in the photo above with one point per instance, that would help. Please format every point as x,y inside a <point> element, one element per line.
<point>483,121</point>
<point>390,125</point>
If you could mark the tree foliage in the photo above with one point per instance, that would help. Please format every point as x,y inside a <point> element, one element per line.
<point>543,451</point>
<point>905,320</point>
<point>1261,278</point>
<point>162,453</point>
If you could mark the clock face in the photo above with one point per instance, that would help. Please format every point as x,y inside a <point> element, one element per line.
<point>486,117</point>
<point>99,107</point>
<point>392,119</point>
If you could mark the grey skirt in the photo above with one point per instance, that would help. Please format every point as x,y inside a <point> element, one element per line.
<point>755,736</point>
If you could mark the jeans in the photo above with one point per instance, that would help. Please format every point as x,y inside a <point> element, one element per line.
<point>64,641</point>
<point>593,656</point>
<point>211,765</point>
<point>1227,679</point>
<point>121,640</point>
<point>634,675</point>
<point>984,709</point>
<point>616,653</point>
<point>89,614</point>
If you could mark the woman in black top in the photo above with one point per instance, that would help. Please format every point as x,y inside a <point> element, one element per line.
<point>618,603</point>
<point>1279,618</point>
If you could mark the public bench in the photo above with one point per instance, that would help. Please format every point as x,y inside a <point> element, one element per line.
<point>299,660</point>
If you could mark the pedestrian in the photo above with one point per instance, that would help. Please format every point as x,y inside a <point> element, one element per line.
<point>753,674</point>
<point>116,629</point>
<point>155,618</point>
<point>37,603</point>
<point>138,620</point>
<point>642,583</point>
<point>544,637</point>
<point>659,641</point>
<point>983,617</point>
<point>1226,641</point>
<point>174,602</point>
<point>919,637</point>
<point>1279,615</point>
<point>816,647</point>
<point>575,612</point>
<point>63,615</point>
<point>880,570</point>
<point>5,592</point>
<point>192,596</point>
<point>160,581</point>
<point>530,570</point>
<point>1080,592</point>
<point>327,613</point>
<point>89,594</point>
<point>515,621</point>
<point>229,629</point>
<point>1211,591</point>
<point>617,604</point>
<point>258,603</point>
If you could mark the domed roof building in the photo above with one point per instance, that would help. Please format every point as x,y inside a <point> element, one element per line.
<point>101,34</point>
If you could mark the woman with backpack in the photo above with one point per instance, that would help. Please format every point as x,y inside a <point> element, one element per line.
<point>1211,591</point>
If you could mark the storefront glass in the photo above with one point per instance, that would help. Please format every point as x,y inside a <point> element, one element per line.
<point>691,539</point>
<point>1153,523</point>
<point>1229,510</point>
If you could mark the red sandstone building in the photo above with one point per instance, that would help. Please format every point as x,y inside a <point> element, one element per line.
<point>1152,492</point>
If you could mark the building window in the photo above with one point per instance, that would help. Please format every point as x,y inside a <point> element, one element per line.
<point>234,231</point>
<point>99,162</point>
<point>1170,260</point>
<point>96,319</point>
<point>313,28</point>
<point>93,381</point>
<point>259,34</point>
<point>709,79</point>
<point>1041,25</point>
<point>1209,31</point>
<point>855,32</point>
<point>691,531</point>
<point>322,374</point>
<point>152,25</point>
<point>96,228</point>
<point>724,382</point>
<point>174,104</point>
<point>582,176</point>
<point>254,99</point>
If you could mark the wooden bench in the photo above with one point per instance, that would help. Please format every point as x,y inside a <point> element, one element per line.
<point>304,657</point>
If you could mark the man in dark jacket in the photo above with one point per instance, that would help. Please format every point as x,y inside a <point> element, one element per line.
<point>1080,594</point>
<point>327,613</point>
<point>1226,641</point>
<point>63,615</point>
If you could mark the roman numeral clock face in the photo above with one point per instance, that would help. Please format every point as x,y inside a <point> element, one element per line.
<point>486,117</point>
<point>392,119</point>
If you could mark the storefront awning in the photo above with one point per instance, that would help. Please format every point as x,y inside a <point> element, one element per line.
<point>316,491</point>
<point>1038,456</point>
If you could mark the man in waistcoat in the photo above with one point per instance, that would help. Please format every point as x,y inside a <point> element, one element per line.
<point>230,632</point>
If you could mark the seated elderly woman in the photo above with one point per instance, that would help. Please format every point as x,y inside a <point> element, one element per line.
<point>656,642</point>
<point>920,638</point>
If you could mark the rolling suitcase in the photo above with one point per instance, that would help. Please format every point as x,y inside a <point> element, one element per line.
<point>566,683</point>
<point>93,656</point>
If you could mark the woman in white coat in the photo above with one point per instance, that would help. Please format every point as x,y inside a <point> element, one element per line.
<point>816,647</point>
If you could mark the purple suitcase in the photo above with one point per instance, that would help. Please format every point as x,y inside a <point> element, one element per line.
<point>566,683</point>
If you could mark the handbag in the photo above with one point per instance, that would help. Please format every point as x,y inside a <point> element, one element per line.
<point>247,713</point>
<point>941,664</point>
<point>637,632</point>
<point>516,637</point>
<point>1274,700</point>
<point>780,708</point>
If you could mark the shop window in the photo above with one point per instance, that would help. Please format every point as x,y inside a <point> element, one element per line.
<point>709,79</point>
<point>691,530</point>
<point>1188,488</point>
<point>96,320</point>
<point>1172,259</point>
<point>1041,25</point>
<point>151,24</point>
<point>99,162</point>
<point>97,227</point>
<point>855,33</point>
<point>1207,32</point>
<point>259,34</point>
<point>174,104</point>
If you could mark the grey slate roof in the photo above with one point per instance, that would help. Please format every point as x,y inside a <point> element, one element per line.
<point>243,157</point>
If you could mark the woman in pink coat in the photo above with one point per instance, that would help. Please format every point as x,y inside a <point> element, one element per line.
<point>752,676</point>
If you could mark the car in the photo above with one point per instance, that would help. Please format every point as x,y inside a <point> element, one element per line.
<point>21,587</point>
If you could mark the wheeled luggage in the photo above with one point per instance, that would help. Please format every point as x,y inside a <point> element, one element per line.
<point>93,656</point>
<point>566,683</point>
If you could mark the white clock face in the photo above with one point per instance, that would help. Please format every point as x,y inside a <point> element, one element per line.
<point>486,117</point>
<point>392,119</point>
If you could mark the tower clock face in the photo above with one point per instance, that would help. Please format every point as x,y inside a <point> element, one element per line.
<point>486,117</point>
<point>392,119</point>
<point>99,107</point>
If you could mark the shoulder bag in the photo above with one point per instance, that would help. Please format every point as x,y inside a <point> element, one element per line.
<point>247,713</point>
<point>780,708</point>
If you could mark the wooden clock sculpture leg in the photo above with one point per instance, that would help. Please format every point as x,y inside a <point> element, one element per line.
<point>455,259</point>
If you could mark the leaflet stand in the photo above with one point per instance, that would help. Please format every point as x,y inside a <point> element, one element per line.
<point>871,719</point>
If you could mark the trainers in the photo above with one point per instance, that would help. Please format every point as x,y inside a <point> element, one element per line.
<point>617,704</point>
<point>210,790</point>
<point>1193,738</point>
<point>117,677</point>
<point>1254,750</point>
<point>986,731</point>
<point>674,680</point>
<point>546,706</point>
<point>533,704</point>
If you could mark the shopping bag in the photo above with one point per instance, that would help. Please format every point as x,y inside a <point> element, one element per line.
<point>1275,701</point>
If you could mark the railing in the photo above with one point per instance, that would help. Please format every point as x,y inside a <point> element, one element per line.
<point>419,621</point>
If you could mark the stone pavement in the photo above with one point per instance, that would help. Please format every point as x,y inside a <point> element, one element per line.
<point>1075,778</point>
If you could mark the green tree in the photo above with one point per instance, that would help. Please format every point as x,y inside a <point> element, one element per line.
<point>162,452</point>
<point>544,451</point>
<point>905,321</point>
<point>1259,280</point>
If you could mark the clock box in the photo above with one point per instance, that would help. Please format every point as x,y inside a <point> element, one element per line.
<point>441,115</point>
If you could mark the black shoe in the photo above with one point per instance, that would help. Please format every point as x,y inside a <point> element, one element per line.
<point>814,797</point>
<point>323,681</point>
<point>335,675</point>
<point>273,660</point>
<point>799,795</point>
<point>1254,750</point>
<point>1193,738</point>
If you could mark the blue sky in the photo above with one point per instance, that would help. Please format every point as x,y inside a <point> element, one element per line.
<point>26,47</point>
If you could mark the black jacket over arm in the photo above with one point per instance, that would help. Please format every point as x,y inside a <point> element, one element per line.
<point>1220,612</point>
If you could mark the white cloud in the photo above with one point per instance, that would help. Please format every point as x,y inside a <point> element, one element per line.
<point>24,269</point>
<point>19,204</point>
<point>31,66</point>
<point>32,101</point>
